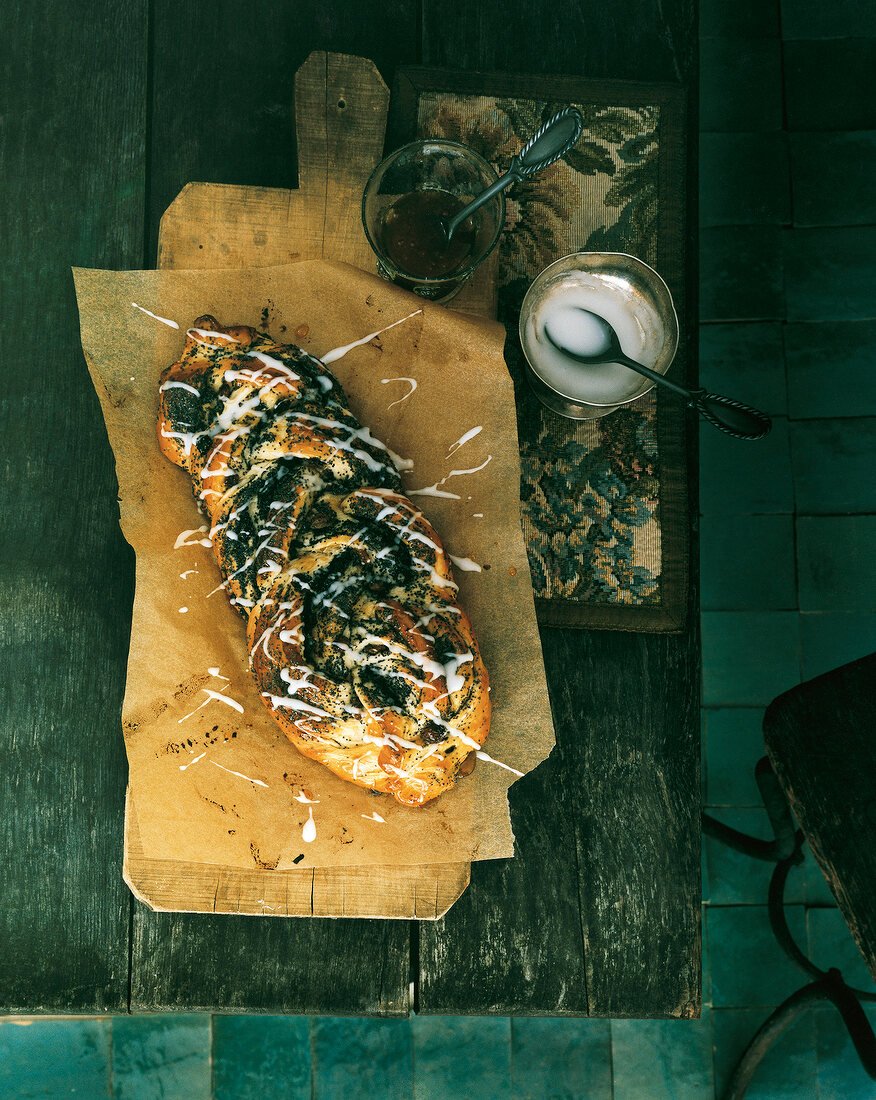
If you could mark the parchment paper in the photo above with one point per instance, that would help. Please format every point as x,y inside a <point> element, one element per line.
<point>216,785</point>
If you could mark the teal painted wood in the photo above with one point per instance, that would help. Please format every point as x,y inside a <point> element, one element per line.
<point>71,192</point>
<point>663,1058</point>
<point>751,563</point>
<point>832,462</point>
<point>850,346</point>
<point>811,294</point>
<point>747,361</point>
<point>789,1068</point>
<point>748,656</point>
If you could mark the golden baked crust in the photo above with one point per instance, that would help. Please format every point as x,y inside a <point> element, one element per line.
<point>358,646</point>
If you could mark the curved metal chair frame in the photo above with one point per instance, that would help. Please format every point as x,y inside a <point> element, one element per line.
<point>786,851</point>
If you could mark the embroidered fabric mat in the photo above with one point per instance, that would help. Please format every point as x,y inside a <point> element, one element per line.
<point>604,502</point>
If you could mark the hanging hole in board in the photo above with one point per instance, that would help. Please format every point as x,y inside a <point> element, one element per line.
<point>342,103</point>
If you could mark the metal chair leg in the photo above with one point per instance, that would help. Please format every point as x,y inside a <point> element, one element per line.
<point>786,851</point>
<point>766,1035</point>
<point>847,1001</point>
<point>786,840</point>
<point>829,988</point>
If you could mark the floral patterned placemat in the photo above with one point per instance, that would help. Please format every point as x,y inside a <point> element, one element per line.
<point>603,502</point>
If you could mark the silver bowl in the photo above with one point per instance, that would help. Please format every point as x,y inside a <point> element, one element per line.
<point>623,289</point>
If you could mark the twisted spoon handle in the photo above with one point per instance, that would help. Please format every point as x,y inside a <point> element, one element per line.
<point>723,413</point>
<point>551,141</point>
<point>732,417</point>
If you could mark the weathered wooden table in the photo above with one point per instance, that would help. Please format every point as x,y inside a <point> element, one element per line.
<point>109,110</point>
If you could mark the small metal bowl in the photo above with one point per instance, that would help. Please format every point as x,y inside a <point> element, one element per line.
<point>626,287</point>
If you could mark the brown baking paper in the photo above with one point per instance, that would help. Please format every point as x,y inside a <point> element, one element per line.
<point>214,779</point>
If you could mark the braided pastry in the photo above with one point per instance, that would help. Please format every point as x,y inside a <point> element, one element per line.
<point>358,646</point>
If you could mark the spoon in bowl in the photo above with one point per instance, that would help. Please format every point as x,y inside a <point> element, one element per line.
<point>549,142</point>
<point>596,342</point>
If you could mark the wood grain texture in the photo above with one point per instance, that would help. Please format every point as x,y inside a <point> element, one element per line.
<point>819,737</point>
<point>341,106</point>
<point>71,145</point>
<point>197,963</point>
<point>626,706</point>
<point>224,84</point>
<point>399,892</point>
<point>628,702</point>
<point>75,134</point>
<point>627,40</point>
<point>598,913</point>
<point>513,943</point>
<point>318,965</point>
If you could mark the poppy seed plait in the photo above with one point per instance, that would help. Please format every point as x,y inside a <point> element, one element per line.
<point>357,644</point>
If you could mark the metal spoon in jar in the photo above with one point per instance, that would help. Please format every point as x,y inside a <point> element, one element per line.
<point>550,142</point>
<point>723,413</point>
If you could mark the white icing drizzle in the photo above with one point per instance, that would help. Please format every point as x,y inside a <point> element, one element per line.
<point>219,697</point>
<point>473,470</point>
<point>183,767</point>
<point>275,364</point>
<point>433,491</point>
<point>337,353</point>
<point>413,384</point>
<point>257,782</point>
<point>435,717</point>
<point>187,571</point>
<point>295,704</point>
<point>201,335</point>
<point>481,755</point>
<point>163,320</point>
<point>240,411</point>
<point>465,564</point>
<point>171,385</point>
<point>183,610</point>
<point>470,434</point>
<point>188,438</point>
<point>448,671</point>
<point>308,833</point>
<point>262,546</point>
<point>374,817</point>
<point>401,464</point>
<point>436,490</point>
<point>477,515</point>
<point>182,539</point>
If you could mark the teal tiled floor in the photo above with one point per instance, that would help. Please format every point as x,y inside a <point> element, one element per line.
<point>788,528</point>
<point>788,148</point>
<point>851,388</point>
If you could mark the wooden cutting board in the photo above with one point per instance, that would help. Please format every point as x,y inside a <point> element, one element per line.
<point>341,105</point>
